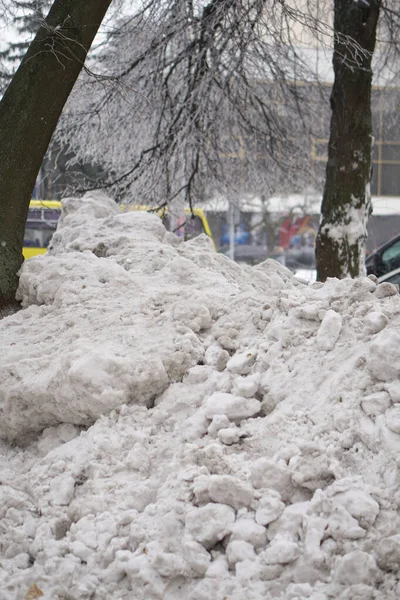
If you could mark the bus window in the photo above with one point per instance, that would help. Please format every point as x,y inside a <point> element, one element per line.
<point>39,229</point>
<point>38,235</point>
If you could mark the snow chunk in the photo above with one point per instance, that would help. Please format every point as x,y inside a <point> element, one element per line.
<point>375,321</point>
<point>209,524</point>
<point>247,386</point>
<point>249,531</point>
<point>218,569</point>
<point>356,567</point>
<point>229,436</point>
<point>195,316</point>
<point>196,556</point>
<point>376,404</point>
<point>290,522</point>
<point>389,553</point>
<point>385,289</point>
<point>242,362</point>
<point>383,358</point>
<point>311,472</point>
<point>393,419</point>
<point>393,389</point>
<point>223,489</point>
<point>168,564</point>
<point>280,551</point>
<point>269,508</point>
<point>342,525</point>
<point>218,422</point>
<point>239,550</point>
<point>62,489</point>
<point>329,330</point>
<point>359,504</point>
<point>234,407</point>
<point>266,473</point>
<point>248,569</point>
<point>95,204</point>
<point>216,357</point>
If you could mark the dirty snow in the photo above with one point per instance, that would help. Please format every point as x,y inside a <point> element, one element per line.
<point>175,426</point>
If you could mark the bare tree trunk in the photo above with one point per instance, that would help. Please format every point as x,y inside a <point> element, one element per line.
<point>29,112</point>
<point>346,204</point>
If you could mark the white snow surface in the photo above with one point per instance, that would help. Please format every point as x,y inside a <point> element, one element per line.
<point>175,426</point>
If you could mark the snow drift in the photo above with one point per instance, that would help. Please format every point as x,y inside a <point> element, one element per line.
<point>178,427</point>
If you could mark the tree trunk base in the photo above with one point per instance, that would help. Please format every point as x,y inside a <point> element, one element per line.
<point>10,308</point>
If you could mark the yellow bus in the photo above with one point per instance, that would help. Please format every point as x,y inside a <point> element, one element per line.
<point>43,216</point>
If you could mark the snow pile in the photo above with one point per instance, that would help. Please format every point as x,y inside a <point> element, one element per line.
<point>190,429</point>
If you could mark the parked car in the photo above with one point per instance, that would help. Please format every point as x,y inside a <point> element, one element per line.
<point>392,277</point>
<point>385,259</point>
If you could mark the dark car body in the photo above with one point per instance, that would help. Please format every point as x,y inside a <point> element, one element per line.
<point>385,259</point>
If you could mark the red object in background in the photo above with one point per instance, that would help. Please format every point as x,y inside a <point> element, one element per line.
<point>288,229</point>
<point>295,226</point>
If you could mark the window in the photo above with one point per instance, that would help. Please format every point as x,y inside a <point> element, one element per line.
<point>390,184</point>
<point>38,235</point>
<point>390,151</point>
<point>40,226</point>
<point>386,149</point>
<point>391,257</point>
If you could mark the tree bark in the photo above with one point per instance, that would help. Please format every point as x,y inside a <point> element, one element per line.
<point>346,204</point>
<point>29,112</point>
